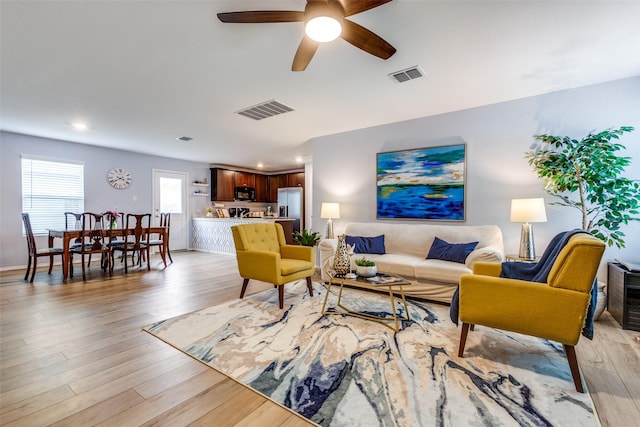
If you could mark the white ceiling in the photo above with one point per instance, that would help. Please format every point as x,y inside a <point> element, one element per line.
<point>141,73</point>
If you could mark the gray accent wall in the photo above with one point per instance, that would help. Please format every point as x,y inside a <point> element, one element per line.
<point>496,136</point>
<point>99,195</point>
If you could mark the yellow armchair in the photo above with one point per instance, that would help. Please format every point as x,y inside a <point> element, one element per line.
<point>555,310</point>
<point>263,254</point>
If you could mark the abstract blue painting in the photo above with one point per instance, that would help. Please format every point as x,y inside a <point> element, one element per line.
<point>422,183</point>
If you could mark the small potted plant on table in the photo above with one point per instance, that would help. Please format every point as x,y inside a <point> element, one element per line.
<point>365,267</point>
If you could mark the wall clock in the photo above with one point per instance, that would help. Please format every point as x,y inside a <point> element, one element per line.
<point>119,178</point>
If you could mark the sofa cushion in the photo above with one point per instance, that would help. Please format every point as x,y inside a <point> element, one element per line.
<point>366,245</point>
<point>404,265</point>
<point>455,252</point>
<point>440,271</point>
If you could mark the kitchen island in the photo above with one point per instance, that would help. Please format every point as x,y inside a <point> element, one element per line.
<point>214,234</point>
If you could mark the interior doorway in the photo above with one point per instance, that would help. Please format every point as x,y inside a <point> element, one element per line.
<point>170,195</point>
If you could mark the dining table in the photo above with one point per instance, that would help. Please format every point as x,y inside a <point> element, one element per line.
<point>68,235</point>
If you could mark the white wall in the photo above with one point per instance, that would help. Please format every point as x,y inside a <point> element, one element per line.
<point>497,137</point>
<point>99,195</point>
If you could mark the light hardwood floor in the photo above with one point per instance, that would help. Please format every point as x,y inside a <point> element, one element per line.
<point>74,354</point>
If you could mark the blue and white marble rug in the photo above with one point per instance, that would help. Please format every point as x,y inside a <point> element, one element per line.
<point>344,371</point>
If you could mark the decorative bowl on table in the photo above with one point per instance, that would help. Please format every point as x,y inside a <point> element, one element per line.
<point>364,271</point>
<point>365,267</point>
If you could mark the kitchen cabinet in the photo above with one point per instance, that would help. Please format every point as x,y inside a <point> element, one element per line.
<point>295,179</point>
<point>283,180</point>
<point>224,181</point>
<point>272,186</point>
<point>287,227</point>
<point>262,188</point>
<point>222,185</point>
<point>245,179</point>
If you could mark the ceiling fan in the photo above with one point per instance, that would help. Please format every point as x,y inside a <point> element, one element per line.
<point>324,21</point>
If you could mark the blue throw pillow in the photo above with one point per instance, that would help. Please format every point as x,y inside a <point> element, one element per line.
<point>366,245</point>
<point>456,252</point>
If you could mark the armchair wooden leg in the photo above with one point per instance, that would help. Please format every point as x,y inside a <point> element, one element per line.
<point>281,296</point>
<point>463,338</point>
<point>309,286</point>
<point>50,264</point>
<point>244,288</point>
<point>573,365</point>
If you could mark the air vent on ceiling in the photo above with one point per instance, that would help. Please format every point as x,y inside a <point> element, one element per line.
<point>184,138</point>
<point>408,74</point>
<point>264,110</point>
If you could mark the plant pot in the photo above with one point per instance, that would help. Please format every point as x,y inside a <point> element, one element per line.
<point>601,302</point>
<point>366,271</point>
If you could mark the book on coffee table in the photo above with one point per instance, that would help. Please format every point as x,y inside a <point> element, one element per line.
<point>385,279</point>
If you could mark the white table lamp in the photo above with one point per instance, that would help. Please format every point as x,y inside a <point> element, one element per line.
<point>330,211</point>
<point>526,211</point>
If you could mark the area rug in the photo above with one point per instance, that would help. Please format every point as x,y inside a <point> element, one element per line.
<point>339,370</point>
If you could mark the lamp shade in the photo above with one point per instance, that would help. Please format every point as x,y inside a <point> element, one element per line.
<point>330,211</point>
<point>528,210</point>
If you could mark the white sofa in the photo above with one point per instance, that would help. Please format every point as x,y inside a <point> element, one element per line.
<point>406,249</point>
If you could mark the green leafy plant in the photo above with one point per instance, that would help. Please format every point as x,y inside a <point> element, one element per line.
<point>586,175</point>
<point>363,262</point>
<point>306,238</point>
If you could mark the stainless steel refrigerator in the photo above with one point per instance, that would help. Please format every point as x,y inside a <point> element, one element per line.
<point>290,202</point>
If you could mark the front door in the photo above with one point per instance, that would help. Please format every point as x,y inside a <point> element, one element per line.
<point>170,195</point>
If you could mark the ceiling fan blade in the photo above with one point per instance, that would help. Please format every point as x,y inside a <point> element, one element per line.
<point>351,7</point>
<point>305,52</point>
<point>366,40</point>
<point>259,16</point>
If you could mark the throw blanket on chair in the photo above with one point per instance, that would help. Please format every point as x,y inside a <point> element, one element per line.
<point>538,272</point>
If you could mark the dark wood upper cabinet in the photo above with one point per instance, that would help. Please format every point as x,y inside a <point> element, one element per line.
<point>262,188</point>
<point>283,181</point>
<point>224,181</point>
<point>222,185</point>
<point>245,179</point>
<point>272,185</point>
<point>295,179</point>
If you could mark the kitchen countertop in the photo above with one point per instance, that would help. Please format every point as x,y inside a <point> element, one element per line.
<point>213,234</point>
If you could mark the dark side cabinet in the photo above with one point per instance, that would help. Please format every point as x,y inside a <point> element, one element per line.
<point>624,296</point>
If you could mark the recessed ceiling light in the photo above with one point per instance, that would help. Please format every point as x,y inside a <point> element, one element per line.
<point>260,165</point>
<point>79,126</point>
<point>184,138</point>
<point>299,159</point>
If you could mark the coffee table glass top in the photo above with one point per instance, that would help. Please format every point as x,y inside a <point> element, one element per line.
<point>380,279</point>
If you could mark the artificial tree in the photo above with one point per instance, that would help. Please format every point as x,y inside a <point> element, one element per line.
<point>586,174</point>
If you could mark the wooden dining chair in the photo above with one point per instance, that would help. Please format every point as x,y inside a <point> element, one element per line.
<point>96,239</point>
<point>159,241</point>
<point>73,221</point>
<point>115,220</point>
<point>34,252</point>
<point>95,221</point>
<point>136,235</point>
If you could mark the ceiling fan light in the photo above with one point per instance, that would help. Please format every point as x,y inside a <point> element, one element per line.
<point>323,29</point>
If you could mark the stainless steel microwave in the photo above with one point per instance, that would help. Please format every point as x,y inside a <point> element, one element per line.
<point>247,194</point>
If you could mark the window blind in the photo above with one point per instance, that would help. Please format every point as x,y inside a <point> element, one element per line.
<point>49,189</point>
